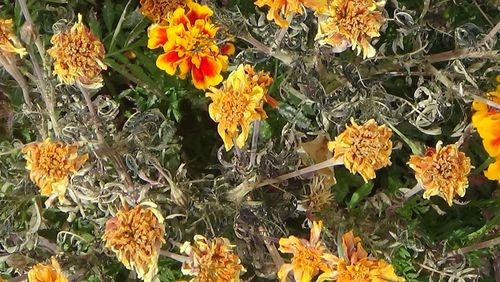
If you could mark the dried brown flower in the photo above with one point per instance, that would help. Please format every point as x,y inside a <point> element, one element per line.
<point>158,10</point>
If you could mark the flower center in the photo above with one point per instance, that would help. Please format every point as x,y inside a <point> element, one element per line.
<point>53,162</point>
<point>233,107</point>
<point>307,258</point>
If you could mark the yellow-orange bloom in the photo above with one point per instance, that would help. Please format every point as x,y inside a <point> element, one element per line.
<point>158,10</point>
<point>237,104</point>
<point>47,273</point>
<point>351,23</point>
<point>364,148</point>
<point>308,256</point>
<point>190,46</point>
<point>282,10</point>
<point>211,260</point>
<point>78,56</point>
<point>135,236</point>
<point>442,171</point>
<point>357,266</point>
<point>51,164</point>
<point>9,43</point>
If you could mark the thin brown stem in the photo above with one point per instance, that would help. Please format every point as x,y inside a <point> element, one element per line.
<point>478,246</point>
<point>461,54</point>
<point>16,74</point>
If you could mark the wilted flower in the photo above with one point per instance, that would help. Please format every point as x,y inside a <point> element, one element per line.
<point>47,273</point>
<point>9,43</point>
<point>364,148</point>
<point>51,164</point>
<point>281,10</point>
<point>190,46</point>
<point>158,10</point>
<point>356,265</point>
<point>320,195</point>
<point>135,236</point>
<point>211,260</point>
<point>351,23</point>
<point>78,56</point>
<point>236,104</point>
<point>442,171</point>
<point>308,256</point>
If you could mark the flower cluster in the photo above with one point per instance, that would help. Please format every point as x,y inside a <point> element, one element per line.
<point>351,23</point>
<point>211,260</point>
<point>281,11</point>
<point>190,46</point>
<point>135,236</point>
<point>9,43</point>
<point>364,148</point>
<point>442,171</point>
<point>78,56</point>
<point>486,120</point>
<point>158,10</point>
<point>238,103</point>
<point>47,273</point>
<point>50,164</point>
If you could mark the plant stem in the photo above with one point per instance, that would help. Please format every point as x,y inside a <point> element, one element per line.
<point>478,246</point>
<point>16,74</point>
<point>417,188</point>
<point>255,140</point>
<point>173,256</point>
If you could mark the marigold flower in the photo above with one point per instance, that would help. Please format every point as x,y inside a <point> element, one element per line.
<point>9,43</point>
<point>351,23</point>
<point>281,10</point>
<point>47,273</point>
<point>135,236</point>
<point>238,103</point>
<point>51,164</point>
<point>158,10</point>
<point>364,148</point>
<point>308,256</point>
<point>211,260</point>
<point>357,266</point>
<point>442,171</point>
<point>78,56</point>
<point>190,46</point>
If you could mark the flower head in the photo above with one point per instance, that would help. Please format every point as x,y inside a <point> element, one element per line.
<point>190,46</point>
<point>9,43</point>
<point>135,236</point>
<point>308,256</point>
<point>78,56</point>
<point>282,10</point>
<point>442,171</point>
<point>47,273</point>
<point>364,148</point>
<point>158,10</point>
<point>51,164</point>
<point>238,103</point>
<point>211,260</point>
<point>351,23</point>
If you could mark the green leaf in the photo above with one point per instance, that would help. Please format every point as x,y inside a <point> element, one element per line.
<point>360,194</point>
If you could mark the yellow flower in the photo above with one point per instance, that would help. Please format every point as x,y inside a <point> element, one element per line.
<point>351,23</point>
<point>236,104</point>
<point>357,266</point>
<point>158,10</point>
<point>442,171</point>
<point>47,273</point>
<point>135,236</point>
<point>190,46</point>
<point>51,164</point>
<point>364,148</point>
<point>281,10</point>
<point>308,256</point>
<point>211,260</point>
<point>9,43</point>
<point>78,56</point>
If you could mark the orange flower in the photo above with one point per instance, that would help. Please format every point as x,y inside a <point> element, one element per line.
<point>51,164</point>
<point>442,171</point>
<point>351,23</point>
<point>78,56</point>
<point>364,148</point>
<point>357,266</point>
<point>158,10</point>
<point>308,256</point>
<point>211,260</point>
<point>237,104</point>
<point>190,46</point>
<point>135,236</point>
<point>47,273</point>
<point>282,10</point>
<point>9,43</point>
